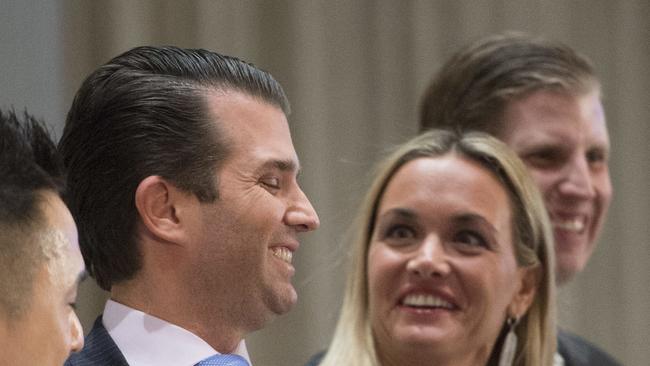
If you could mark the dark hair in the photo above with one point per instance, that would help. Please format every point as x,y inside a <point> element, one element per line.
<point>29,164</point>
<point>145,113</point>
<point>472,89</point>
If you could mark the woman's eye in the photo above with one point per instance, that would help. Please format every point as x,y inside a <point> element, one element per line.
<point>400,232</point>
<point>470,238</point>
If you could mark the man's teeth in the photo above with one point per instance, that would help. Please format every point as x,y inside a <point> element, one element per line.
<point>422,300</point>
<point>570,225</point>
<point>283,253</point>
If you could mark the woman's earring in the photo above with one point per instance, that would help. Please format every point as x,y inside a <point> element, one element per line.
<point>509,348</point>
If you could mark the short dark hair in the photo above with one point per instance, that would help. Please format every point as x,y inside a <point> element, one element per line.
<point>145,113</point>
<point>29,165</point>
<point>472,89</point>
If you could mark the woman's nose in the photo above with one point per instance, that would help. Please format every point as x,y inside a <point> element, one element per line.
<point>430,259</point>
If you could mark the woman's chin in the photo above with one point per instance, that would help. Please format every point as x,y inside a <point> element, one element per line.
<point>422,335</point>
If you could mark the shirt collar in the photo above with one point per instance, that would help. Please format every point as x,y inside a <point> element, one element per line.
<point>145,340</point>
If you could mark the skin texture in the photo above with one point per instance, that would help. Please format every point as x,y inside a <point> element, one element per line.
<point>212,267</point>
<point>444,228</point>
<point>50,330</point>
<point>564,142</point>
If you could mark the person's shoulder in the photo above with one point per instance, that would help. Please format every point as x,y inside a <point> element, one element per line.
<point>316,359</point>
<point>99,349</point>
<point>577,351</point>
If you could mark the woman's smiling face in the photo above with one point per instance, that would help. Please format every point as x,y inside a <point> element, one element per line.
<point>442,273</point>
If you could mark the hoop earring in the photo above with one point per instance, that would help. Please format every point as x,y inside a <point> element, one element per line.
<point>509,348</point>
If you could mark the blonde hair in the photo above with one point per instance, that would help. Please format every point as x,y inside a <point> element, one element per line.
<point>353,342</point>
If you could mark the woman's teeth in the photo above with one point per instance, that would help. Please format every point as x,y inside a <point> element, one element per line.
<point>421,300</point>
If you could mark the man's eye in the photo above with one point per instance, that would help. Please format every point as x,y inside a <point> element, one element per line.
<point>542,158</point>
<point>271,182</point>
<point>596,157</point>
<point>73,305</point>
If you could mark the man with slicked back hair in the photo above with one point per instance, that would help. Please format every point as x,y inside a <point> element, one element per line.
<point>183,180</point>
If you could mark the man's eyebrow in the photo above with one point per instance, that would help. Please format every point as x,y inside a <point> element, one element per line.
<point>287,165</point>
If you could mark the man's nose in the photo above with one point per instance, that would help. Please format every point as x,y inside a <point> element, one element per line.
<point>301,214</point>
<point>577,179</point>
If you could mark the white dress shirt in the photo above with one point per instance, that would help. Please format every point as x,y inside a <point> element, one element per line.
<point>145,340</point>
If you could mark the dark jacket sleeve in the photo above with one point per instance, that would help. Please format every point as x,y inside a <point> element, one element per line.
<point>577,351</point>
<point>316,359</point>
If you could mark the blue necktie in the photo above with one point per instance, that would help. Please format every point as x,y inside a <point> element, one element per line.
<point>224,360</point>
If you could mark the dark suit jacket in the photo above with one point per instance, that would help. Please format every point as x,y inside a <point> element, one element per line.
<point>578,351</point>
<point>99,349</point>
<point>316,359</point>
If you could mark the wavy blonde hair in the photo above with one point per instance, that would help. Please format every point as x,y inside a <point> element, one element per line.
<point>353,342</point>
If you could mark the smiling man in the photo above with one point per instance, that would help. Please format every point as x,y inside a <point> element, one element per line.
<point>40,262</point>
<point>543,100</point>
<point>183,179</point>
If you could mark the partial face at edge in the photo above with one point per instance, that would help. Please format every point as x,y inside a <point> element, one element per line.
<point>442,274</point>
<point>563,141</point>
<point>50,330</point>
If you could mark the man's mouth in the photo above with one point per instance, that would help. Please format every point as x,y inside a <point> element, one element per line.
<point>283,254</point>
<point>576,225</point>
<point>426,301</point>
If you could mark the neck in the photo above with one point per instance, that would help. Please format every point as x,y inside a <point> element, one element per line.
<point>166,299</point>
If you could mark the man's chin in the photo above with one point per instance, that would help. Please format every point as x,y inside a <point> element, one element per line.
<point>572,254</point>
<point>567,267</point>
<point>289,302</point>
<point>283,301</point>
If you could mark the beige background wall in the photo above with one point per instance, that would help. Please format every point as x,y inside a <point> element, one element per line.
<point>354,71</point>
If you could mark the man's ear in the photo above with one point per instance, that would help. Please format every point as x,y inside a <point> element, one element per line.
<point>161,207</point>
<point>528,278</point>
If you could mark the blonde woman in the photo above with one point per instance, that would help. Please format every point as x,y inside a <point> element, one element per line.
<point>452,264</point>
